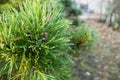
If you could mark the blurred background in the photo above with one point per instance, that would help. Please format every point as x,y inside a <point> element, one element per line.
<point>101,62</point>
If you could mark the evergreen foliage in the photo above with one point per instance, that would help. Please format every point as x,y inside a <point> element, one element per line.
<point>34,42</point>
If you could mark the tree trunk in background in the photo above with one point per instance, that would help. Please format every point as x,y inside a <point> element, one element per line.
<point>111,15</point>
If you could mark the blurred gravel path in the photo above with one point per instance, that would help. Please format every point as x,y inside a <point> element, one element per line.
<point>107,34</point>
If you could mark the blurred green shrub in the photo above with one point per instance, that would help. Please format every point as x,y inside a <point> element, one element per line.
<point>4,1</point>
<point>83,37</point>
<point>72,11</point>
<point>34,43</point>
<point>71,8</point>
<point>76,22</point>
<point>7,5</point>
<point>116,23</point>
